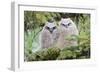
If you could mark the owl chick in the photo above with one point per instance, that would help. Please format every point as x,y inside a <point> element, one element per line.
<point>49,35</point>
<point>67,28</point>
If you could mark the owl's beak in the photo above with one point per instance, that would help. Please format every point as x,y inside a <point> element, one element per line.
<point>66,26</point>
<point>51,30</point>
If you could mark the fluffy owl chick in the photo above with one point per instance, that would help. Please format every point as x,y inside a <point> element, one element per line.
<point>49,35</point>
<point>67,28</point>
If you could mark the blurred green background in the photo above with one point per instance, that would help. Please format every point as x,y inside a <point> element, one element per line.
<point>33,24</point>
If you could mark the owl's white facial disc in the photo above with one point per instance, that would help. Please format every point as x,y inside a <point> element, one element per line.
<point>65,22</point>
<point>50,27</point>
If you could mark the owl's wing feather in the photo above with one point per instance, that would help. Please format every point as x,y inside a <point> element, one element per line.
<point>45,39</point>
